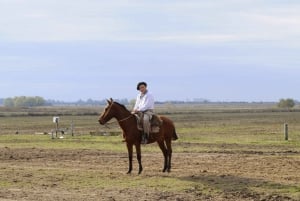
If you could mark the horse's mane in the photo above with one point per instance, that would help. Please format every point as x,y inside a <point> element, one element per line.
<point>123,106</point>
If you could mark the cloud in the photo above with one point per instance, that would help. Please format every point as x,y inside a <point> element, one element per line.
<point>279,22</point>
<point>247,24</point>
<point>57,21</point>
<point>176,21</point>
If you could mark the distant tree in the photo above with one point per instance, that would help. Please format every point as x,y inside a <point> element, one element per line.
<point>39,101</point>
<point>286,103</point>
<point>132,103</point>
<point>19,101</point>
<point>123,101</point>
<point>9,102</point>
<point>24,101</point>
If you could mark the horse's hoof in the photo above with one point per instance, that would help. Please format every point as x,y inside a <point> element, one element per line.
<point>164,170</point>
<point>129,172</point>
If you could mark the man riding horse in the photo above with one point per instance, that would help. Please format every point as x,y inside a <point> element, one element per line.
<point>144,105</point>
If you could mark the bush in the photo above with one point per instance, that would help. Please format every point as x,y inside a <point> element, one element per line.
<point>24,101</point>
<point>286,103</point>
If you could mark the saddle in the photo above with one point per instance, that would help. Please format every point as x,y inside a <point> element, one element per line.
<point>155,122</point>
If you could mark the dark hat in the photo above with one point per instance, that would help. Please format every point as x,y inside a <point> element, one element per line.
<point>139,84</point>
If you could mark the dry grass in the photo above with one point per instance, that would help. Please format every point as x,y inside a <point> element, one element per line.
<point>223,153</point>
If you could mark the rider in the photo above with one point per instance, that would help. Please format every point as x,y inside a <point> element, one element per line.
<point>144,104</point>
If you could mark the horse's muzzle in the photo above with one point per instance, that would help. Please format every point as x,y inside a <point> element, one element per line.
<point>101,121</point>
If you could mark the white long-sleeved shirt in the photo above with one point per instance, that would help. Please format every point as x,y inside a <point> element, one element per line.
<point>144,102</point>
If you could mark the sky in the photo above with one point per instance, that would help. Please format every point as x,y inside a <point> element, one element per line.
<point>220,50</point>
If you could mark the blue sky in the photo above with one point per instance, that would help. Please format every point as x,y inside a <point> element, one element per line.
<point>221,50</point>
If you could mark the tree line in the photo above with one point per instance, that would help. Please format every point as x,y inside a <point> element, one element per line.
<point>34,101</point>
<point>80,102</point>
<point>24,101</point>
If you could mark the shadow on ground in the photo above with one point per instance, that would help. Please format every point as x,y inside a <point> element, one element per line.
<point>231,187</point>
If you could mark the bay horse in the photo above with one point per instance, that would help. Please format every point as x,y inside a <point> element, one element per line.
<point>132,135</point>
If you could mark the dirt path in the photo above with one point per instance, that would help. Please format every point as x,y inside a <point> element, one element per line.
<point>46,174</point>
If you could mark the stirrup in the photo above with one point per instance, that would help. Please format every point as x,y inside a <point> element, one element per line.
<point>144,138</point>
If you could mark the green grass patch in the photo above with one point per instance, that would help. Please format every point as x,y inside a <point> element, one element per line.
<point>186,143</point>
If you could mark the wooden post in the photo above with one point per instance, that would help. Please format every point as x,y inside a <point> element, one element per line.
<point>55,120</point>
<point>72,128</point>
<point>56,130</point>
<point>286,131</point>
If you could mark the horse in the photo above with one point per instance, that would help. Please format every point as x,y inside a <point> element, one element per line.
<point>128,123</point>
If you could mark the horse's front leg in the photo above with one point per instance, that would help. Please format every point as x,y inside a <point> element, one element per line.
<point>169,152</point>
<point>139,156</point>
<point>129,148</point>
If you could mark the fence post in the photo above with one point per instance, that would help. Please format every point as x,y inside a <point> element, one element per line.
<point>56,120</point>
<point>286,131</point>
<point>56,129</point>
<point>72,128</point>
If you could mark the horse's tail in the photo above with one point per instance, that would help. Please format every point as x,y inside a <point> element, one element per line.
<point>174,136</point>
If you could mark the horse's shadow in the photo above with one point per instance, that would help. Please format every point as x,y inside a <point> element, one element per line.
<point>232,187</point>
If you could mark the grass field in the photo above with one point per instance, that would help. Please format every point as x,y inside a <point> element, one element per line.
<point>224,152</point>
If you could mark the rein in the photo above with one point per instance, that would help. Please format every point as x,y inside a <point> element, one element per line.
<point>124,119</point>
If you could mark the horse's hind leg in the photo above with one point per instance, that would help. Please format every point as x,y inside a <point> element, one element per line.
<point>164,150</point>
<point>139,156</point>
<point>169,154</point>
<point>129,148</point>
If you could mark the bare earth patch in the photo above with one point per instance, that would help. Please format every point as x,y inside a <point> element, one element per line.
<point>62,174</point>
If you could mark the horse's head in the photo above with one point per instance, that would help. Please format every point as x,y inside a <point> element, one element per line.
<point>108,113</point>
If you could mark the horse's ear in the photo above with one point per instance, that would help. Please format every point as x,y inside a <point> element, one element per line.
<point>111,100</point>
<point>108,101</point>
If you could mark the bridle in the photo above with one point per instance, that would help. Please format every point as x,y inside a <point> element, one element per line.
<point>124,119</point>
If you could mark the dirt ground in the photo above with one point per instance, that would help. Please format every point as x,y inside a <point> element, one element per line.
<point>54,174</point>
